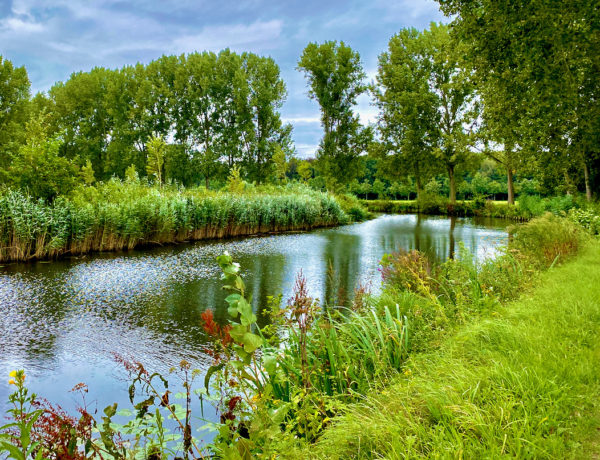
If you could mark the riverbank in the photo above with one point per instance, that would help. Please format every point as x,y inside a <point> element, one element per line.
<point>440,362</point>
<point>124,215</point>
<point>440,207</point>
<point>522,383</point>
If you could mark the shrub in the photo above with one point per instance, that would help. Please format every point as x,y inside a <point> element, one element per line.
<point>586,218</point>
<point>546,239</point>
<point>353,207</point>
<point>431,203</point>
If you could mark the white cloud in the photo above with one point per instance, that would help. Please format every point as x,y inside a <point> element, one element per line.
<point>18,26</point>
<point>301,120</point>
<point>266,34</point>
<point>306,151</point>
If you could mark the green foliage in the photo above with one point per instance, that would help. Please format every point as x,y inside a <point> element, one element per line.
<point>353,207</point>
<point>547,239</point>
<point>586,218</point>
<point>14,111</point>
<point>156,148</point>
<point>495,388</point>
<point>16,438</point>
<point>235,183</point>
<point>335,78</point>
<point>119,215</point>
<point>131,174</point>
<point>87,173</point>
<point>537,70</point>
<point>37,167</point>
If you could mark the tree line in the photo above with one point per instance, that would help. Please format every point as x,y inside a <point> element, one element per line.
<point>516,83</point>
<point>211,112</point>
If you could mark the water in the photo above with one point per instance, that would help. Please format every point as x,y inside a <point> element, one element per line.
<point>63,321</point>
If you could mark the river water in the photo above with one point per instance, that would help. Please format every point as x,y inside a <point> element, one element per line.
<point>63,321</point>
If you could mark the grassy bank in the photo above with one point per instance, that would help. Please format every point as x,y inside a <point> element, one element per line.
<point>123,215</point>
<point>524,209</point>
<point>523,383</point>
<point>465,208</point>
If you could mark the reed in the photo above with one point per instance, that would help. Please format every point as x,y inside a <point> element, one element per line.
<point>123,215</point>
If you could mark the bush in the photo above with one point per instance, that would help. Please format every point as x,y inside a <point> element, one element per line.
<point>353,207</point>
<point>546,239</point>
<point>586,218</point>
<point>430,203</point>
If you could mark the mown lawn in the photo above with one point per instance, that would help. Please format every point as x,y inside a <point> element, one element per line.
<point>524,383</point>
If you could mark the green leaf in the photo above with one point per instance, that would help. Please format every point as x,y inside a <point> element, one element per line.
<point>247,316</point>
<point>232,299</point>
<point>237,332</point>
<point>210,372</point>
<point>251,342</point>
<point>232,269</point>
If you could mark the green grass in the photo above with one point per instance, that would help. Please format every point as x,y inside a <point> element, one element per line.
<point>523,383</point>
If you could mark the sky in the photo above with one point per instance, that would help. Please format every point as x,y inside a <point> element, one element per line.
<point>54,38</point>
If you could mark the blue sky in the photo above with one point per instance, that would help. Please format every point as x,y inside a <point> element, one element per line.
<point>55,38</point>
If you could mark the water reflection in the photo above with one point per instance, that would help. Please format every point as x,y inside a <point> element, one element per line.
<point>62,321</point>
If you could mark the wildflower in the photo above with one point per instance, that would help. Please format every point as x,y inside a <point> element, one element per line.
<point>12,374</point>
<point>11,382</point>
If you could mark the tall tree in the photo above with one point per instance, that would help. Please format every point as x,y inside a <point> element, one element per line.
<point>408,110</point>
<point>545,52</point>
<point>267,133</point>
<point>336,79</point>
<point>458,109</point>
<point>79,112</point>
<point>14,101</point>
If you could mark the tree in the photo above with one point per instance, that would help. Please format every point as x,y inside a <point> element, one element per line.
<point>456,102</point>
<point>378,188</point>
<point>131,175</point>
<point>38,166</point>
<point>87,173</point>
<point>335,78</point>
<point>156,148</point>
<point>235,183</point>
<point>267,133</point>
<point>408,109</point>
<point>544,54</point>
<point>79,112</point>
<point>305,170</point>
<point>427,103</point>
<point>14,99</point>
<point>280,165</point>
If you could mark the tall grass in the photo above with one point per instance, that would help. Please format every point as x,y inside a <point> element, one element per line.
<point>121,215</point>
<point>521,384</point>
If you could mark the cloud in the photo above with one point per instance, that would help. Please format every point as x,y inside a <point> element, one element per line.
<point>265,34</point>
<point>302,120</point>
<point>306,151</point>
<point>17,26</point>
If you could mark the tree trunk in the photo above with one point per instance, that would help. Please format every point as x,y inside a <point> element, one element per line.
<point>452,184</point>
<point>586,176</point>
<point>511,185</point>
<point>418,186</point>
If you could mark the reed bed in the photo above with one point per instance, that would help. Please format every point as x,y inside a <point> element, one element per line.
<point>118,215</point>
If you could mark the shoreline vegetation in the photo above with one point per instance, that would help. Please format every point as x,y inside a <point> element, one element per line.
<point>369,379</point>
<point>120,215</point>
<point>526,208</point>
